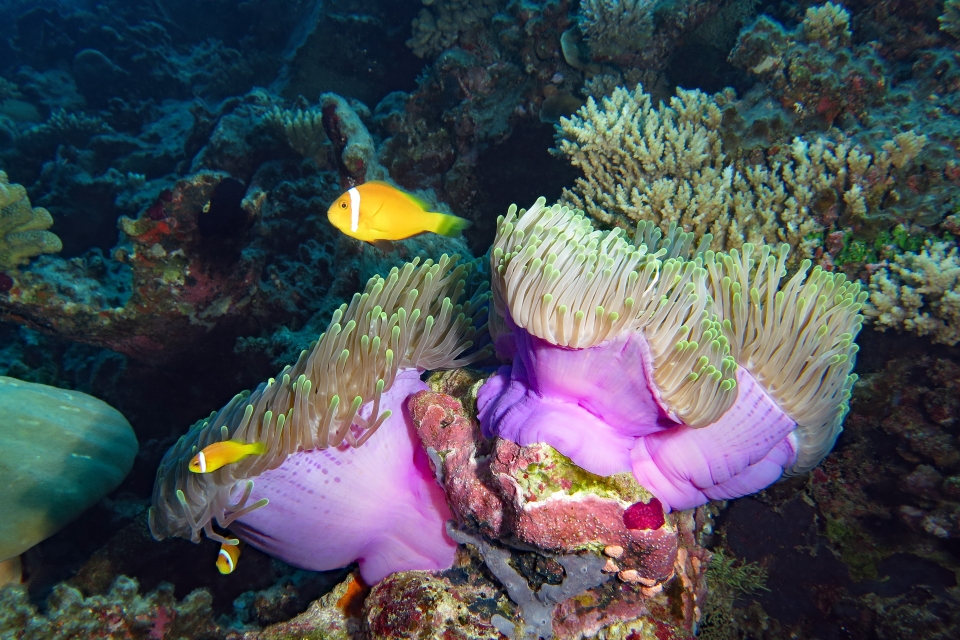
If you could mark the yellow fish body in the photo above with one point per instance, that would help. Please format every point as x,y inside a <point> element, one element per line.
<point>379,212</point>
<point>229,555</point>
<point>218,454</point>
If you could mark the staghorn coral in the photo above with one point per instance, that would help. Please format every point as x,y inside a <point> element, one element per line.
<point>338,393</point>
<point>708,378</point>
<point>23,229</point>
<point>919,292</point>
<point>613,27</point>
<point>667,165</point>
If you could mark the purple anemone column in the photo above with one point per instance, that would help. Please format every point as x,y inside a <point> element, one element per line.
<point>378,504</point>
<point>600,407</point>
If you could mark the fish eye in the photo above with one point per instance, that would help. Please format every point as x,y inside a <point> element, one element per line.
<point>343,205</point>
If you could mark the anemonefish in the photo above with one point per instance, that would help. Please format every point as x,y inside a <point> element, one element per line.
<point>218,454</point>
<point>378,212</point>
<point>229,554</point>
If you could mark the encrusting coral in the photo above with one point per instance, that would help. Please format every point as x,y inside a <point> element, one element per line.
<point>707,377</point>
<point>919,292</point>
<point>23,229</point>
<point>667,165</point>
<point>318,414</point>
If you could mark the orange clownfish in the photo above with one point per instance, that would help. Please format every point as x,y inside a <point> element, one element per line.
<point>218,454</point>
<point>229,554</point>
<point>378,212</point>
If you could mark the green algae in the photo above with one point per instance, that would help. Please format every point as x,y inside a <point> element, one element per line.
<point>727,579</point>
<point>557,473</point>
<point>856,549</point>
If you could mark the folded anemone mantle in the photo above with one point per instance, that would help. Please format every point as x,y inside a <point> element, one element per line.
<point>708,375</point>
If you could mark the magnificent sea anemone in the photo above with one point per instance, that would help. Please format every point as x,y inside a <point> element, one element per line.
<point>707,376</point>
<point>298,501</point>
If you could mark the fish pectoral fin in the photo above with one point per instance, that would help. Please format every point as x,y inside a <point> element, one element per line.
<point>386,246</point>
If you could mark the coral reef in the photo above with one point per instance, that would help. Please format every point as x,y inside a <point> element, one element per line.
<point>919,292</point>
<point>23,229</point>
<point>442,24</point>
<point>210,133</point>
<point>179,283</point>
<point>120,613</point>
<point>668,165</point>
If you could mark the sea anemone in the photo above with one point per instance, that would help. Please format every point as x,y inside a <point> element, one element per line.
<point>702,373</point>
<point>316,416</point>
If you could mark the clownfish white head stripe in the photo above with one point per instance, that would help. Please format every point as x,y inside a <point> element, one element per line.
<point>354,209</point>
<point>202,459</point>
<point>226,557</point>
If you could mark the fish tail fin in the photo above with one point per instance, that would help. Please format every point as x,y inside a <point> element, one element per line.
<point>448,225</point>
<point>257,448</point>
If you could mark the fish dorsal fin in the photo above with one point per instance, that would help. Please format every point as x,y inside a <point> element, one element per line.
<point>420,202</point>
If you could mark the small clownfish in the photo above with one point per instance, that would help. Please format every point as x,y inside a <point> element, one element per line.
<point>378,212</point>
<point>218,454</point>
<point>229,555</point>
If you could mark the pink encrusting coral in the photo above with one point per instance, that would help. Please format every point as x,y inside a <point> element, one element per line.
<point>705,377</point>
<point>315,521</point>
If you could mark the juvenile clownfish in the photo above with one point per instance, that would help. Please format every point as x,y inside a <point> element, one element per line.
<point>229,555</point>
<point>218,454</point>
<point>378,213</point>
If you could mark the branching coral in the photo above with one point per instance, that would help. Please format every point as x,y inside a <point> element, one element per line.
<point>667,165</point>
<point>828,24</point>
<point>319,412</point>
<point>23,229</point>
<point>612,27</point>
<point>919,292</point>
<point>626,356</point>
